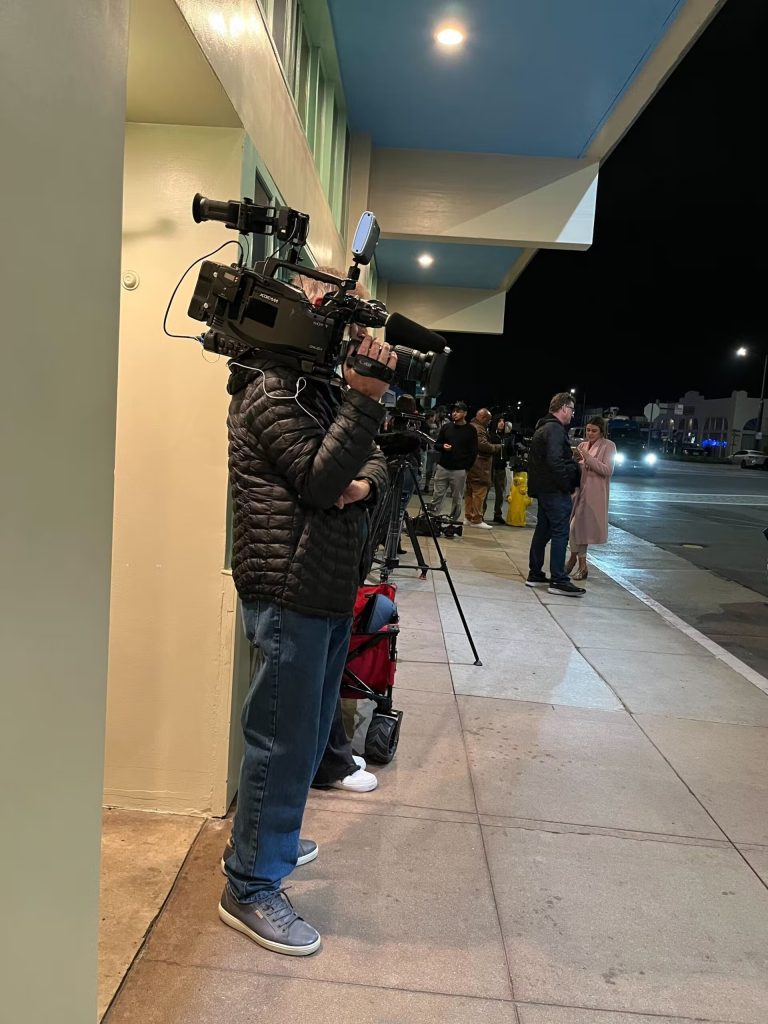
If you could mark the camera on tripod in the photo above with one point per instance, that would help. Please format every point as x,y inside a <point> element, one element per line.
<point>250,310</point>
<point>442,526</point>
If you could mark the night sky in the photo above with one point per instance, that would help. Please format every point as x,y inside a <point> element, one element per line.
<point>676,277</point>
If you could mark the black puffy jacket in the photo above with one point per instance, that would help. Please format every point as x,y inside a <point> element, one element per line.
<point>290,458</point>
<point>551,466</point>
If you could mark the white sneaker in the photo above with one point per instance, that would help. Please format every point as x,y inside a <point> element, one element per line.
<point>478,526</point>
<point>359,761</point>
<point>359,782</point>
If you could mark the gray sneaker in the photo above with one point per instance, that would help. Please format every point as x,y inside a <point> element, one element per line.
<point>272,922</point>
<point>308,850</point>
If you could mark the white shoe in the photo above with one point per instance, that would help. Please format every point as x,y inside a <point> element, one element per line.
<point>478,526</point>
<point>359,782</point>
<point>359,761</point>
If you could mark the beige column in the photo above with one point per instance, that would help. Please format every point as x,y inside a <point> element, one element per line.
<point>62,108</point>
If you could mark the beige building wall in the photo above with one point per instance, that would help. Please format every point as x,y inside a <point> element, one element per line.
<point>173,607</point>
<point>62,101</point>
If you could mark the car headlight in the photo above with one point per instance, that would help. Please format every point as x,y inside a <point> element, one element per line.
<point>620,458</point>
<point>650,459</point>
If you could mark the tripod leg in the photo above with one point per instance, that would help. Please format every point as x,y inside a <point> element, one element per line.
<point>460,610</point>
<point>414,539</point>
<point>444,568</point>
<point>392,543</point>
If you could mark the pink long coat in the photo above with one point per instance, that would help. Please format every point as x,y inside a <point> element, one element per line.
<point>589,520</point>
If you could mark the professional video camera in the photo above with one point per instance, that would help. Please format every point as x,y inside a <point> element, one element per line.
<point>442,526</point>
<point>253,310</point>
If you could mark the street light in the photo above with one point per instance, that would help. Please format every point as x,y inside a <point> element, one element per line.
<point>583,404</point>
<point>743,352</point>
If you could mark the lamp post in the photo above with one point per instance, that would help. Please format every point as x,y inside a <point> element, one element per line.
<point>743,352</point>
<point>583,405</point>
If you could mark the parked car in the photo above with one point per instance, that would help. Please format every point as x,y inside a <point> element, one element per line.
<point>748,458</point>
<point>635,457</point>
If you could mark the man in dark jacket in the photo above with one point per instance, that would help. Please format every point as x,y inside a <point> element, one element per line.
<point>500,435</point>
<point>456,445</point>
<point>553,476</point>
<point>303,468</point>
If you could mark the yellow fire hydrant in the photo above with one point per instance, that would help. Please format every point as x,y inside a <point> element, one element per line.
<point>518,500</point>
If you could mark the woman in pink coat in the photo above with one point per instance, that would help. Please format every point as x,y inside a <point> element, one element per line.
<point>589,520</point>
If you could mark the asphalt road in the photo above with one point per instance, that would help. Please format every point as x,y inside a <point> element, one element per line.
<point>713,516</point>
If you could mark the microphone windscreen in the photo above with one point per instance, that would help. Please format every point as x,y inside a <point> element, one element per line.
<point>402,331</point>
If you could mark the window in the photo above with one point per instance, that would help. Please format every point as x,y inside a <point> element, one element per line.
<point>312,74</point>
<point>304,55</point>
<point>279,24</point>
<point>324,129</point>
<point>285,35</point>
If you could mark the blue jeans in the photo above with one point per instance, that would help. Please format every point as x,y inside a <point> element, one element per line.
<point>286,721</point>
<point>554,522</point>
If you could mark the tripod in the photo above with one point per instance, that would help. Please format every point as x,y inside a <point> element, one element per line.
<point>386,529</point>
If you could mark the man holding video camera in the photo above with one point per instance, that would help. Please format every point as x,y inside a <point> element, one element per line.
<point>304,471</point>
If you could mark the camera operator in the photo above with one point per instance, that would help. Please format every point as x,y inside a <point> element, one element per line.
<point>304,470</point>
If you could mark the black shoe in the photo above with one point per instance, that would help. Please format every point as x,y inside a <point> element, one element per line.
<point>308,850</point>
<point>401,550</point>
<point>567,588</point>
<point>537,579</point>
<point>272,922</point>
<point>498,519</point>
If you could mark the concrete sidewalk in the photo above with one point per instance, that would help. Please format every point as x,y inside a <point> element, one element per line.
<point>573,833</point>
<point>733,616</point>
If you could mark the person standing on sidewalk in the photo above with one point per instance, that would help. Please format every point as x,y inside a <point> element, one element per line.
<point>479,476</point>
<point>304,476</point>
<point>589,521</point>
<point>456,445</point>
<point>553,476</point>
<point>500,436</point>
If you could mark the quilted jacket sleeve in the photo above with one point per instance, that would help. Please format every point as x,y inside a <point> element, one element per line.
<point>317,464</point>
<point>375,471</point>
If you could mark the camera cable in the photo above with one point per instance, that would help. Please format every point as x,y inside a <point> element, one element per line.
<point>301,384</point>
<point>193,337</point>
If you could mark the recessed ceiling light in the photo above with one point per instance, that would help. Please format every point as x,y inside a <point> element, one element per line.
<point>425,260</point>
<point>449,35</point>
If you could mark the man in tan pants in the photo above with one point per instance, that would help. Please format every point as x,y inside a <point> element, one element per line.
<point>479,476</point>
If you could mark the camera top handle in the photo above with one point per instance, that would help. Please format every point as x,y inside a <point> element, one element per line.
<point>245,216</point>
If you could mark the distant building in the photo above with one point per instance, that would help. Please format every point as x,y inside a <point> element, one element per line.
<point>726,424</point>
